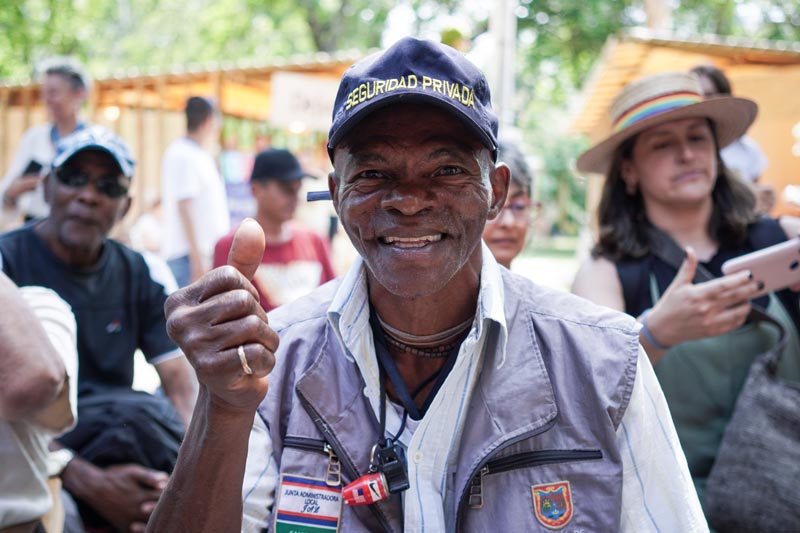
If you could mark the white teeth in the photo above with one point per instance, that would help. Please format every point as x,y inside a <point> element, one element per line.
<point>412,242</point>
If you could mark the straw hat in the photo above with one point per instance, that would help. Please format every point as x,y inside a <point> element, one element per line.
<point>663,98</point>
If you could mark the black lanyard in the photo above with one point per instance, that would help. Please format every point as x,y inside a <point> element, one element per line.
<point>389,369</point>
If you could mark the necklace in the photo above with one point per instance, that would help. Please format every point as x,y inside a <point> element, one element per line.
<point>435,345</point>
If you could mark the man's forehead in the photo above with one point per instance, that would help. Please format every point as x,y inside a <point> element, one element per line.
<point>431,146</point>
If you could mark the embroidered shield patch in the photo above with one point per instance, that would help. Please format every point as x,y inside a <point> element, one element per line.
<point>307,505</point>
<point>552,504</point>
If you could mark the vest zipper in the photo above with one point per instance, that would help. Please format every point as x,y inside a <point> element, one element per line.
<point>524,460</point>
<point>333,476</point>
<point>463,499</point>
<point>336,444</point>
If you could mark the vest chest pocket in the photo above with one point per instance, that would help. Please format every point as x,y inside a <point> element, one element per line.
<point>333,473</point>
<point>544,490</point>
<point>308,498</point>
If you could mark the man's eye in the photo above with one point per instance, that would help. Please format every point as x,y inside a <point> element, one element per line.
<point>371,175</point>
<point>449,171</point>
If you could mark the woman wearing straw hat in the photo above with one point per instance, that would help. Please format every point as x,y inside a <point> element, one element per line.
<point>665,182</point>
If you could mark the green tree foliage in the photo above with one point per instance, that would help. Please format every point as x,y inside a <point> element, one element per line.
<point>559,42</point>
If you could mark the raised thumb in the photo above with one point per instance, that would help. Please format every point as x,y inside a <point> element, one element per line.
<point>688,267</point>
<point>247,248</point>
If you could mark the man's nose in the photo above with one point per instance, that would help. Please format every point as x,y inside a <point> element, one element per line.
<point>409,198</point>
<point>89,193</point>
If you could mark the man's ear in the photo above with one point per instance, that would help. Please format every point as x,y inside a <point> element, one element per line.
<point>49,183</point>
<point>499,178</point>
<point>333,188</point>
<point>125,207</point>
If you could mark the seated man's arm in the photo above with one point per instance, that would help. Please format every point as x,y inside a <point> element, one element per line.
<point>32,373</point>
<point>56,318</point>
<point>179,384</point>
<point>657,489</point>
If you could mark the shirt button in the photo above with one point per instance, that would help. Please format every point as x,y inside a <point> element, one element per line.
<point>418,456</point>
<point>366,392</point>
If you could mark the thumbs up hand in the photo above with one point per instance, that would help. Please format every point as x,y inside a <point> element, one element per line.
<point>222,329</point>
<point>688,311</point>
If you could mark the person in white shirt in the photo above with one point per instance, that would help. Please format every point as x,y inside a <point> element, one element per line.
<point>193,198</point>
<point>38,397</point>
<point>65,87</point>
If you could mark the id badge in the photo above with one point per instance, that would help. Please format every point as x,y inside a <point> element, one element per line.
<point>307,505</point>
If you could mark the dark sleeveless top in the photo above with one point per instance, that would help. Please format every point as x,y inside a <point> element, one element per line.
<point>635,274</point>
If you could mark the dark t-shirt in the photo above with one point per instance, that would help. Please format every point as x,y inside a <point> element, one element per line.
<point>635,274</point>
<point>118,305</point>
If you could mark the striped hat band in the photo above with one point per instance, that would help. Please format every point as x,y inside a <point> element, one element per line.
<point>655,106</point>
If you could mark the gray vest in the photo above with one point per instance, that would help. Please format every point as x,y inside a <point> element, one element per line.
<point>549,414</point>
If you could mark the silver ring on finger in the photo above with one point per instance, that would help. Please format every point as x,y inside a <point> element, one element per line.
<point>243,360</point>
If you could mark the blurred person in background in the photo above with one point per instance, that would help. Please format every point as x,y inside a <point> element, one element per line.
<point>126,441</point>
<point>38,398</point>
<point>296,260</point>
<point>506,234</point>
<point>743,156</point>
<point>193,197</point>
<point>65,87</point>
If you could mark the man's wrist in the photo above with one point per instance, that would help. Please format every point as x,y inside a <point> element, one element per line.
<point>79,478</point>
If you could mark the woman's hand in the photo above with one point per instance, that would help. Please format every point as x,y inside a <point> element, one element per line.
<point>688,311</point>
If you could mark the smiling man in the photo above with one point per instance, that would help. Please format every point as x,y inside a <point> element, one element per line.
<point>117,458</point>
<point>428,389</point>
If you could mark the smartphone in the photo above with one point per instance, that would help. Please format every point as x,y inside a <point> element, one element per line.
<point>775,267</point>
<point>33,167</point>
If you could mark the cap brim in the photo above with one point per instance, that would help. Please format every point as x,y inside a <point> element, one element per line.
<point>408,97</point>
<point>297,175</point>
<point>732,117</point>
<point>124,167</point>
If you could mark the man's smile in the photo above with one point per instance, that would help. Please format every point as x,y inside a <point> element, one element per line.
<point>411,242</point>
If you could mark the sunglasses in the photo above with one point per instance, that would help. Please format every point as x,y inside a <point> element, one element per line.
<point>108,186</point>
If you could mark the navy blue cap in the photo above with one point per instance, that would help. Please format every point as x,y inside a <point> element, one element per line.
<point>418,71</point>
<point>277,164</point>
<point>95,138</point>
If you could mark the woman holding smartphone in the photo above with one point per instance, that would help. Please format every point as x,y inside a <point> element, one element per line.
<point>665,181</point>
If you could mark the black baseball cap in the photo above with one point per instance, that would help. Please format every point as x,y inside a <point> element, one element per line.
<point>277,164</point>
<point>414,70</point>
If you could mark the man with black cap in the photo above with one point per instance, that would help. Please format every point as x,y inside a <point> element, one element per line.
<point>295,260</point>
<point>122,441</point>
<point>427,389</point>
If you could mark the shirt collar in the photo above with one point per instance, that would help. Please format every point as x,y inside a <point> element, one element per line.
<point>348,313</point>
